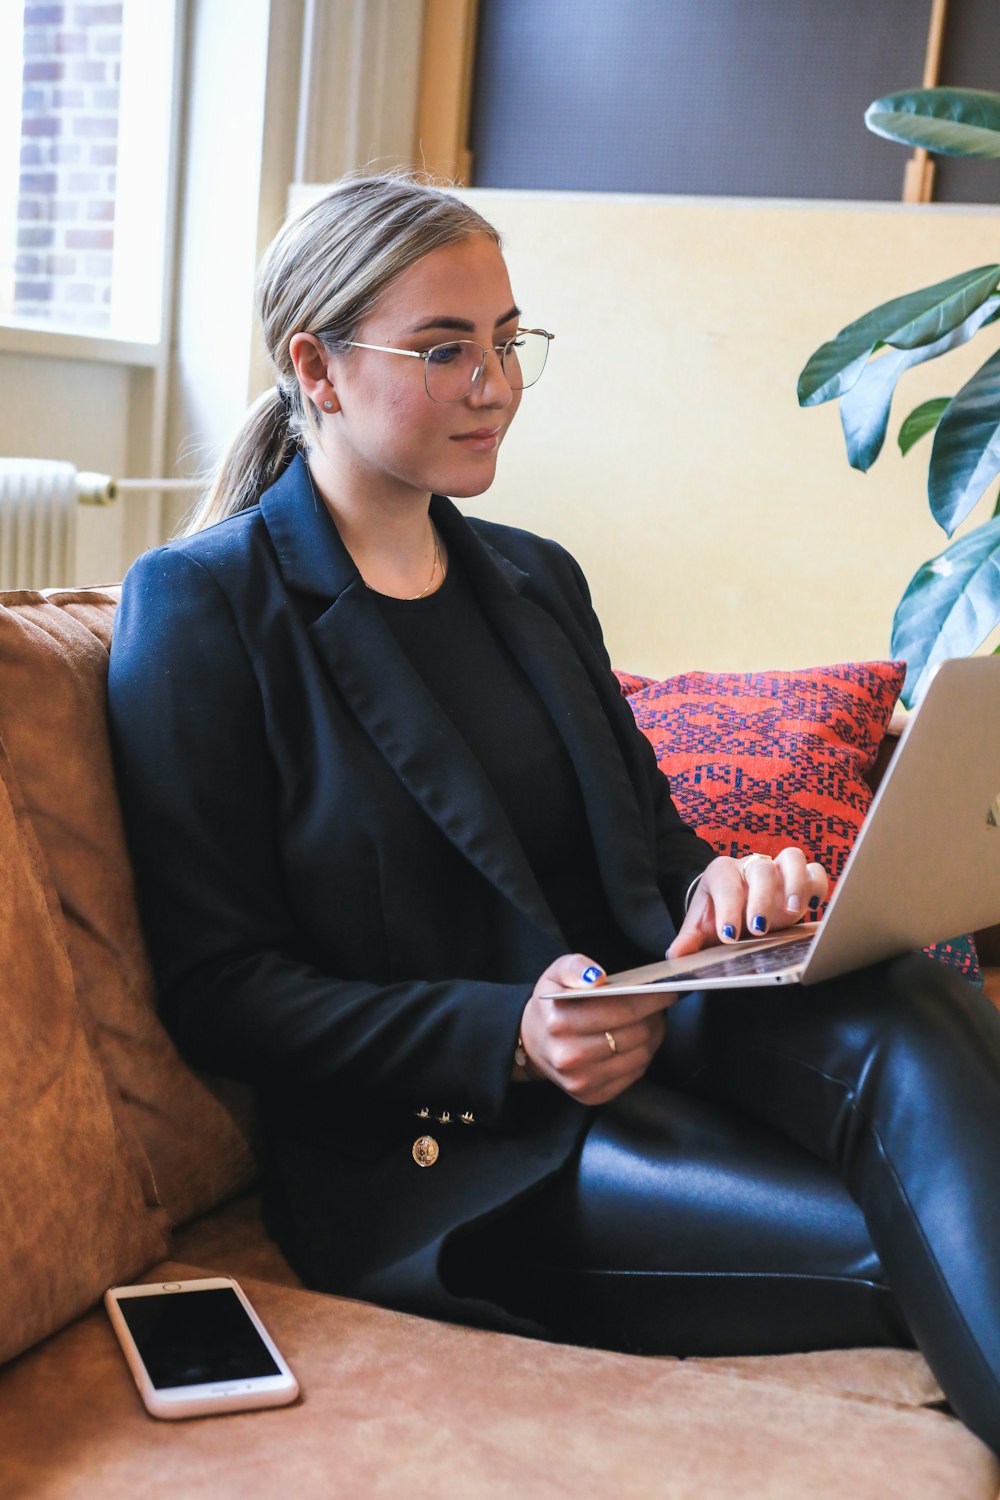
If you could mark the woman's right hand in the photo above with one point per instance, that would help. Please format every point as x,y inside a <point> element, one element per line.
<point>567,1031</point>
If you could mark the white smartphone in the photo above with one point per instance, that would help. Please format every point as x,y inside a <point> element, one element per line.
<point>196,1348</point>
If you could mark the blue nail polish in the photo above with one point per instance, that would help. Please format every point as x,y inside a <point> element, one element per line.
<point>759,924</point>
<point>814,903</point>
<point>729,932</point>
<point>592,975</point>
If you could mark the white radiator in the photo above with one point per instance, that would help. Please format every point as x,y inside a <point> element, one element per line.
<point>38,507</point>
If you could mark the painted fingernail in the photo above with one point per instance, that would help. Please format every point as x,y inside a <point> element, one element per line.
<point>729,932</point>
<point>592,974</point>
<point>814,903</point>
<point>759,924</point>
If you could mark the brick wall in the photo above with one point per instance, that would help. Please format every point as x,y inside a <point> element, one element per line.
<point>69,147</point>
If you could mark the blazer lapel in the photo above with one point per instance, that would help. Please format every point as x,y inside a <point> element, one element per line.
<point>390,700</point>
<point>623,841</point>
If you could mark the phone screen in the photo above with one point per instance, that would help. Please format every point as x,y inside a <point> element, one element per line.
<point>196,1338</point>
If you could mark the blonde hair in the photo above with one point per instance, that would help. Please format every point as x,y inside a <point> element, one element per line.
<point>324,273</point>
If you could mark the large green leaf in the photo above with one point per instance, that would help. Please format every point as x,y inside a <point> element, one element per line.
<point>864,409</point>
<point>966,451</point>
<point>922,420</point>
<point>954,122</point>
<point>950,606</point>
<point>908,322</point>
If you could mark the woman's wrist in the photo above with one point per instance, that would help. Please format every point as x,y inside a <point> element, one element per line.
<point>523,1070</point>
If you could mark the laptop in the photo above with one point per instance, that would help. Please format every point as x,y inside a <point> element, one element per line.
<point>924,867</point>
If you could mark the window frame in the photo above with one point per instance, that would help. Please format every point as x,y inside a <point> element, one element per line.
<point>35,337</point>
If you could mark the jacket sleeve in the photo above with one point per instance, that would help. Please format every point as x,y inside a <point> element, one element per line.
<point>238,989</point>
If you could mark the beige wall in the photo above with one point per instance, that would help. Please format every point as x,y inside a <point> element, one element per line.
<point>719,525</point>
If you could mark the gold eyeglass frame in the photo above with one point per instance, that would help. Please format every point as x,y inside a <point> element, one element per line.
<point>499,349</point>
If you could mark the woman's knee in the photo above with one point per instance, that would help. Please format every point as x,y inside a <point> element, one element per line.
<point>817,1061</point>
<point>918,1007</point>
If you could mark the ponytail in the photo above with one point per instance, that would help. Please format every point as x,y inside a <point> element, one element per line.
<point>259,454</point>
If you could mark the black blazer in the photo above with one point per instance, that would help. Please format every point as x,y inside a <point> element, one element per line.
<point>336,906</point>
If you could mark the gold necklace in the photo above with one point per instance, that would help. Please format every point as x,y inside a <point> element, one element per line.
<point>436,563</point>
<point>434,567</point>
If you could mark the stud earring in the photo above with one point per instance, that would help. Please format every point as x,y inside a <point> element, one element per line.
<point>328,406</point>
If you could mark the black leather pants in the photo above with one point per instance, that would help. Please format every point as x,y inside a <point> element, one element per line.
<point>803,1168</point>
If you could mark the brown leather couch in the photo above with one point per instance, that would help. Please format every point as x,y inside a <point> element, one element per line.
<point>118,1163</point>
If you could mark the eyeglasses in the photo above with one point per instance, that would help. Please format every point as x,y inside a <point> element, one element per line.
<point>452,371</point>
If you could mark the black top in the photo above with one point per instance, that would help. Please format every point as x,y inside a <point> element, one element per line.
<point>449,641</point>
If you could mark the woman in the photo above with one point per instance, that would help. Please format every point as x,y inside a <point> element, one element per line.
<point>392,824</point>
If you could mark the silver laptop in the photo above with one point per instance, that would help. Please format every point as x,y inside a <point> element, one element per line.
<point>924,867</point>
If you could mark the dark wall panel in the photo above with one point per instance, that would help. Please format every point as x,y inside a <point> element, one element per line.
<point>970,59</point>
<point>756,97</point>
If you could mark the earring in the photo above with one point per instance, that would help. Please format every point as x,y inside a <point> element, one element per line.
<point>328,406</point>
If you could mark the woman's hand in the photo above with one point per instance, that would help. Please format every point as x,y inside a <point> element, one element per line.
<point>749,898</point>
<point>592,1047</point>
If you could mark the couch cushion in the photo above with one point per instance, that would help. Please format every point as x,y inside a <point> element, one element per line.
<point>396,1406</point>
<point>73,1212</point>
<point>53,673</point>
<point>233,1239</point>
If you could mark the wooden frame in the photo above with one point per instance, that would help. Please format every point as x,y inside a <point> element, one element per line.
<point>446,66</point>
<point>918,181</point>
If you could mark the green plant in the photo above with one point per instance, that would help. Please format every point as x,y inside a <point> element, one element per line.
<point>952,603</point>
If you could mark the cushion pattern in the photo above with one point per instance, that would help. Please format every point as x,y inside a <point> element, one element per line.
<point>758,760</point>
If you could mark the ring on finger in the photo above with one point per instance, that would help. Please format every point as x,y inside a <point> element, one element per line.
<point>750,859</point>
<point>609,1037</point>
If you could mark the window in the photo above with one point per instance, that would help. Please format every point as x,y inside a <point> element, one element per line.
<point>11,68</point>
<point>85,132</point>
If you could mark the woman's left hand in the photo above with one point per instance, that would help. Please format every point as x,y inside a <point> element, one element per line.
<point>749,897</point>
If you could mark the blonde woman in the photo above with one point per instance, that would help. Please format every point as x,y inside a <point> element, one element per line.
<point>384,798</point>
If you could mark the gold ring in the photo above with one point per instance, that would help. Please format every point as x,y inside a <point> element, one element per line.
<point>750,859</point>
<point>610,1038</point>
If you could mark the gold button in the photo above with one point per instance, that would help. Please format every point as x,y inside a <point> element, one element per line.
<point>425,1151</point>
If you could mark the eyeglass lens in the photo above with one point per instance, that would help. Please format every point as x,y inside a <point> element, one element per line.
<point>452,370</point>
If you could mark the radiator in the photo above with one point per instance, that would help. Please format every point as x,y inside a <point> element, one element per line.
<point>38,507</point>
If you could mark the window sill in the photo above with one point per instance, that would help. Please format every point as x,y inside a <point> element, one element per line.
<point>19,338</point>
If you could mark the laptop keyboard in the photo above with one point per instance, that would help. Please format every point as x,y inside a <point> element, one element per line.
<point>735,965</point>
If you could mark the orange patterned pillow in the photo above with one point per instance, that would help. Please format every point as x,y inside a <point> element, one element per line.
<point>758,760</point>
